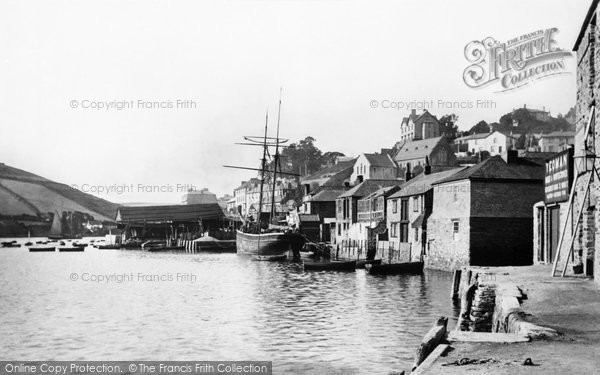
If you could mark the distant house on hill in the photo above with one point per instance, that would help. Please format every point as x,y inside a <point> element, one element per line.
<point>374,166</point>
<point>556,141</point>
<point>495,142</point>
<point>540,115</point>
<point>412,155</point>
<point>423,126</point>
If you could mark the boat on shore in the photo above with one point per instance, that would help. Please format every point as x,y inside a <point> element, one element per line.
<point>363,262</point>
<point>408,268</point>
<point>334,265</point>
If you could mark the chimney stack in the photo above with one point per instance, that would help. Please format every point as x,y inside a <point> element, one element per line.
<point>413,112</point>
<point>407,175</point>
<point>427,169</point>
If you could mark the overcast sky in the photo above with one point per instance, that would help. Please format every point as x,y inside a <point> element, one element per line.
<point>230,58</point>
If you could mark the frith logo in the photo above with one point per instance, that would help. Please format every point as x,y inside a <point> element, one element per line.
<point>515,63</point>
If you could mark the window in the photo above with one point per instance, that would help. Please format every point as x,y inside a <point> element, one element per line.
<point>416,234</point>
<point>416,204</point>
<point>493,149</point>
<point>403,232</point>
<point>339,230</point>
<point>455,229</point>
<point>394,230</point>
<point>404,209</point>
<point>395,206</point>
<point>495,140</point>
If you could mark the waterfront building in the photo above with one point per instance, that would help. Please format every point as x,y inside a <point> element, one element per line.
<point>168,222</point>
<point>423,126</point>
<point>494,142</point>
<point>412,156</point>
<point>407,214</point>
<point>374,167</point>
<point>481,216</point>
<point>556,141</point>
<point>348,232</point>
<point>578,213</point>
<point>193,196</point>
<point>538,114</point>
<point>320,192</point>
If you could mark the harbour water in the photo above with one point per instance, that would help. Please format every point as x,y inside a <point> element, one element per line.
<point>124,305</point>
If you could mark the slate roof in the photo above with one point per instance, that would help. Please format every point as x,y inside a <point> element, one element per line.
<point>180,212</point>
<point>416,149</point>
<point>334,175</point>
<point>379,160</point>
<point>495,168</point>
<point>416,119</point>
<point>559,134</point>
<point>423,182</point>
<point>384,191</point>
<point>367,187</point>
<point>327,194</point>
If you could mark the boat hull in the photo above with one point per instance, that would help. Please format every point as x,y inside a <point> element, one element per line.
<point>267,244</point>
<point>347,266</point>
<point>42,249</point>
<point>362,263</point>
<point>409,268</point>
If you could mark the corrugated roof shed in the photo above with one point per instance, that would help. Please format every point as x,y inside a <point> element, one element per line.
<point>180,212</point>
<point>495,168</point>
<point>423,182</point>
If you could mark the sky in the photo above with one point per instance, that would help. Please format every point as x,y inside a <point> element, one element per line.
<point>136,101</point>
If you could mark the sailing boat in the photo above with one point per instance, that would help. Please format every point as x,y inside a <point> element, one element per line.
<point>56,228</point>
<point>259,239</point>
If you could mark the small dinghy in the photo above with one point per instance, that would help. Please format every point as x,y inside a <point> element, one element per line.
<point>349,265</point>
<point>408,268</point>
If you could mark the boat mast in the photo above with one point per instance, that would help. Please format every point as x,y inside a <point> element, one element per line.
<point>275,161</point>
<point>262,172</point>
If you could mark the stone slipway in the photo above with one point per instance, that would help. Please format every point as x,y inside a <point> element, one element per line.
<point>570,306</point>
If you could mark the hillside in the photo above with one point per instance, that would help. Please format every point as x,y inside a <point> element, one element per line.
<point>528,121</point>
<point>24,194</point>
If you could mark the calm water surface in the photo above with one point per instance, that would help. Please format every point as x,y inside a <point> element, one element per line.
<point>224,307</point>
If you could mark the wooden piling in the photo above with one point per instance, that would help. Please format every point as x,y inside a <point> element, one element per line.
<point>455,285</point>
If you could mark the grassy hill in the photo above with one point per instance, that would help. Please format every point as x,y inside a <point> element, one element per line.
<point>24,194</point>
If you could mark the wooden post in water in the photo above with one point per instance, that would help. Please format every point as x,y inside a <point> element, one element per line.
<point>455,285</point>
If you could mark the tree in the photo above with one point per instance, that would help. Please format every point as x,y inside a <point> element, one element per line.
<point>448,125</point>
<point>480,127</point>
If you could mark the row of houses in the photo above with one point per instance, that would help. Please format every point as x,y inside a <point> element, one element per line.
<point>449,217</point>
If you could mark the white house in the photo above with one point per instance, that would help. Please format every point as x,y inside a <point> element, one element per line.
<point>374,167</point>
<point>494,142</point>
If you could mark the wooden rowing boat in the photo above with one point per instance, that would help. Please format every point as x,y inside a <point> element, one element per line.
<point>70,249</point>
<point>409,268</point>
<point>349,265</point>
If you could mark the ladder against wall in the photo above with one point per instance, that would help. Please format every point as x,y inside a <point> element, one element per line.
<point>566,247</point>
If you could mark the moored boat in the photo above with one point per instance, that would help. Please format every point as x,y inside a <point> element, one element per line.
<point>108,247</point>
<point>157,249</point>
<point>268,244</point>
<point>363,262</point>
<point>35,249</point>
<point>348,266</point>
<point>269,258</point>
<point>70,249</point>
<point>409,268</point>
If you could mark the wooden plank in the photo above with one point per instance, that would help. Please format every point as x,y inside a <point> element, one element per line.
<point>456,284</point>
<point>464,336</point>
